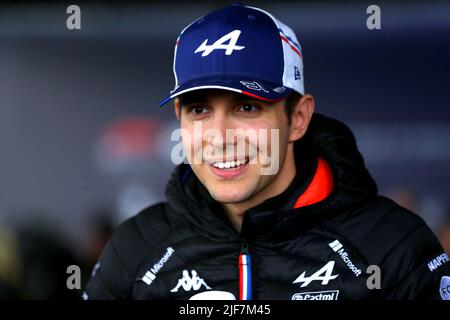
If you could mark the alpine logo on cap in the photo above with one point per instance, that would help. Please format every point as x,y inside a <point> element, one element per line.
<point>232,37</point>
<point>253,85</point>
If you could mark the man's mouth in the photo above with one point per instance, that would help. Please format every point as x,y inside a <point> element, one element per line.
<point>229,169</point>
<point>230,164</point>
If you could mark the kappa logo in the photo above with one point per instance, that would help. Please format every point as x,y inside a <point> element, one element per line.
<point>188,283</point>
<point>326,270</point>
<point>232,37</point>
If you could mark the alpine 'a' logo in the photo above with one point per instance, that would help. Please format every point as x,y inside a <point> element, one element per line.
<point>232,37</point>
<point>326,270</point>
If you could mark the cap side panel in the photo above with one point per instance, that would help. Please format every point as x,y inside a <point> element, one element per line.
<point>175,51</point>
<point>293,59</point>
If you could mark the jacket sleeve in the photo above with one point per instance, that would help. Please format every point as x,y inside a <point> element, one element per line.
<point>109,279</point>
<point>417,268</point>
<point>115,273</point>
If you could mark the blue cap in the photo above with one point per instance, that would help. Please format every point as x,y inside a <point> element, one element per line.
<point>241,49</point>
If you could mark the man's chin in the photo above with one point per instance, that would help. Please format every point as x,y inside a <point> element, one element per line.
<point>230,197</point>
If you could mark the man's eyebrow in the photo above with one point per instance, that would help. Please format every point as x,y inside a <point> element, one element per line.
<point>243,98</point>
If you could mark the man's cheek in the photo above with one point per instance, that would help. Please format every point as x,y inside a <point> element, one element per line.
<point>269,151</point>
<point>192,142</point>
<point>188,145</point>
<point>181,150</point>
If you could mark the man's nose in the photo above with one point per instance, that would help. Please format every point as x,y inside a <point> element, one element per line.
<point>223,123</point>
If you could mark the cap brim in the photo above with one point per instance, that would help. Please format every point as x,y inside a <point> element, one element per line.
<point>258,89</point>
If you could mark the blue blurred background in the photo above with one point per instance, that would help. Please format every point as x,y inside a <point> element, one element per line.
<point>84,145</point>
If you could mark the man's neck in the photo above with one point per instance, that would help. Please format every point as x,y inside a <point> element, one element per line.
<point>236,211</point>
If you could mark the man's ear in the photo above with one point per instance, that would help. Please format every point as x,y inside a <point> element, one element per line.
<point>301,116</point>
<point>177,106</point>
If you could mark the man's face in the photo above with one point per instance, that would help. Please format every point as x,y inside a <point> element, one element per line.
<point>231,140</point>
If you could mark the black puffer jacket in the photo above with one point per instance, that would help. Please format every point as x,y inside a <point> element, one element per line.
<point>186,247</point>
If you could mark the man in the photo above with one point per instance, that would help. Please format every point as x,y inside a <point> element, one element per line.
<point>289,212</point>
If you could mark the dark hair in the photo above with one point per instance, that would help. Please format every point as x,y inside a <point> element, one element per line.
<point>291,101</point>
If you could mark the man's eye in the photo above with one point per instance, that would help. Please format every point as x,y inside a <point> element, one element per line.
<point>248,108</point>
<point>198,110</point>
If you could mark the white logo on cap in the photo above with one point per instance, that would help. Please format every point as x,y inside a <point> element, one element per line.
<point>253,85</point>
<point>232,37</point>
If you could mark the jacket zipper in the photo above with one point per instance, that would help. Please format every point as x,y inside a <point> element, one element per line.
<point>245,273</point>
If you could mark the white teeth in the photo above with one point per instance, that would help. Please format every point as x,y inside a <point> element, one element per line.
<point>228,164</point>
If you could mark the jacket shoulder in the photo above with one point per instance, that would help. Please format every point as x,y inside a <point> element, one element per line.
<point>378,225</point>
<point>115,271</point>
<point>401,244</point>
<point>141,231</point>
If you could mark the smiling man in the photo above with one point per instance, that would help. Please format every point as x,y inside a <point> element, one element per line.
<point>274,201</point>
<point>242,145</point>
